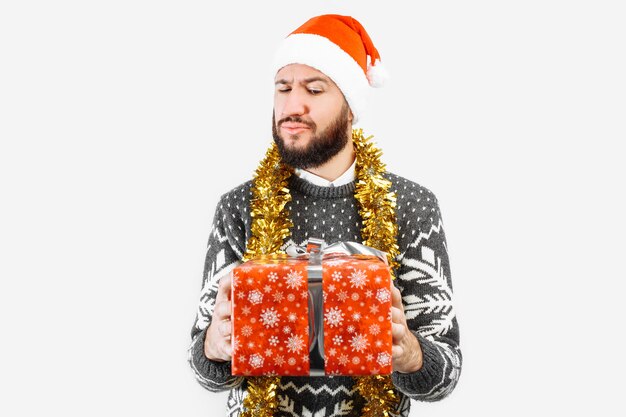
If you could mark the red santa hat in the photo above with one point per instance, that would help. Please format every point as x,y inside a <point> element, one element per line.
<point>339,47</point>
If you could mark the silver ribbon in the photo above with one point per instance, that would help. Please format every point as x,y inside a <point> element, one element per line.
<point>317,250</point>
<point>346,248</point>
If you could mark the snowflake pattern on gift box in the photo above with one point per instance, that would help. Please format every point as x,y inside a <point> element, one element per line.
<point>368,333</point>
<point>333,317</point>
<point>334,262</point>
<point>374,329</point>
<point>270,320</point>
<point>358,343</point>
<point>256,360</point>
<point>374,267</point>
<point>246,331</point>
<point>255,297</point>
<point>294,343</point>
<point>383,295</point>
<point>294,280</point>
<point>337,276</point>
<point>358,279</point>
<point>384,359</point>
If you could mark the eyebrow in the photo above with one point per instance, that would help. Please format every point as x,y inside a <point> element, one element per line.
<point>305,81</point>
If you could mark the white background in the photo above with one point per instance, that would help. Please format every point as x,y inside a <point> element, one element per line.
<point>122,122</point>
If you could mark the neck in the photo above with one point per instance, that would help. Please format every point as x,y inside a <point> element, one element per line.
<point>339,163</point>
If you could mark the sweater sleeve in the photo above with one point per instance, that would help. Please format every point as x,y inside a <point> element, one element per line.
<point>224,252</point>
<point>425,284</point>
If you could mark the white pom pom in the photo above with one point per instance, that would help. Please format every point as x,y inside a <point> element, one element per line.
<point>377,74</point>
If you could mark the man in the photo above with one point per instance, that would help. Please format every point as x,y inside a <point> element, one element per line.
<point>323,71</point>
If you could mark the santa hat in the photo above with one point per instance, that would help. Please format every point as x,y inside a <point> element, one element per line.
<point>339,47</point>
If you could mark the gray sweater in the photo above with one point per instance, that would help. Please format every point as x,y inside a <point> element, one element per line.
<point>331,213</point>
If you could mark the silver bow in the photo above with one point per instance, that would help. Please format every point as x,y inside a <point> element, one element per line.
<point>346,248</point>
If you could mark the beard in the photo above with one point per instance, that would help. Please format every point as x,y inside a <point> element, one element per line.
<point>322,147</point>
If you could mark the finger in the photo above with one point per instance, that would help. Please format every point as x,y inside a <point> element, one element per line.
<point>396,297</point>
<point>225,328</point>
<point>396,352</point>
<point>214,345</point>
<point>397,333</point>
<point>397,316</point>
<point>222,311</point>
<point>224,288</point>
<point>224,348</point>
<point>227,282</point>
<point>227,350</point>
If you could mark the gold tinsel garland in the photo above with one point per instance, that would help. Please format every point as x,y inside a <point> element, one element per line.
<point>271,224</point>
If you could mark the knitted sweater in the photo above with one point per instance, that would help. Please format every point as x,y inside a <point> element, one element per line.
<point>331,213</point>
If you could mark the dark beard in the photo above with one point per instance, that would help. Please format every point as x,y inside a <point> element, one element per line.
<point>321,148</point>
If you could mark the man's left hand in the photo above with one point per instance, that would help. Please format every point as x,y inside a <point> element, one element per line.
<point>406,352</point>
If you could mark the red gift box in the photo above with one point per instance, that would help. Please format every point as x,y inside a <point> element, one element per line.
<point>274,316</point>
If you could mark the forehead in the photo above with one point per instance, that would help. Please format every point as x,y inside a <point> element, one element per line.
<point>300,72</point>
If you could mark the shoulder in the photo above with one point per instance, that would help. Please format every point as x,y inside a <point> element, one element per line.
<point>410,193</point>
<point>233,205</point>
<point>417,209</point>
<point>404,186</point>
<point>237,196</point>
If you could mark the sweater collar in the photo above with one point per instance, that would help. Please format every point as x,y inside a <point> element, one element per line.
<point>305,187</point>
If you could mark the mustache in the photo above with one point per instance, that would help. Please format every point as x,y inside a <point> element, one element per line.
<point>297,119</point>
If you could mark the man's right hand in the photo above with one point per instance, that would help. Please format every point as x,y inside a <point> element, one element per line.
<point>217,344</point>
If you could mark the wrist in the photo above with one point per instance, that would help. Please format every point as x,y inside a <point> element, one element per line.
<point>208,348</point>
<point>418,357</point>
<point>415,361</point>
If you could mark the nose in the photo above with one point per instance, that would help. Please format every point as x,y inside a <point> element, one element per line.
<point>294,103</point>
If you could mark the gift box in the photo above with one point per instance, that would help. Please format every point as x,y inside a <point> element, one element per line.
<point>321,311</point>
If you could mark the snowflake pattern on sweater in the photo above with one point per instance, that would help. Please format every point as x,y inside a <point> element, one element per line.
<point>331,213</point>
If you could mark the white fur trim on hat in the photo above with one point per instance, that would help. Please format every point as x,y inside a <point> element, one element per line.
<point>325,56</point>
<point>377,74</point>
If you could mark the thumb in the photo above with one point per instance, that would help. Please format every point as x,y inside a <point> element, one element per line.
<point>396,297</point>
<point>225,285</point>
